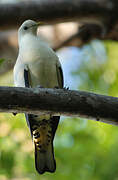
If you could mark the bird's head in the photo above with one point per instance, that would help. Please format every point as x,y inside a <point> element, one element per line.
<point>28,26</point>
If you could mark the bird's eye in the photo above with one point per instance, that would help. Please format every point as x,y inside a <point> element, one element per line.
<point>25,27</point>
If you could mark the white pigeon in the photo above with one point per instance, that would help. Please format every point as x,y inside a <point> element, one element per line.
<point>37,65</point>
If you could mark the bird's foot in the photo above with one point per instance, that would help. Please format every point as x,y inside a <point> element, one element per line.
<point>65,88</point>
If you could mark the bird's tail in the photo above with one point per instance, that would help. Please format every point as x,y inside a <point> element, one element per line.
<point>43,133</point>
<point>44,153</point>
<point>44,161</point>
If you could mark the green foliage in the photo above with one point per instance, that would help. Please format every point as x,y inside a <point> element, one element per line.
<point>85,150</point>
<point>1,61</point>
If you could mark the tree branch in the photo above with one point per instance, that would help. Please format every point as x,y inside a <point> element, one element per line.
<point>51,11</point>
<point>56,11</point>
<point>86,33</point>
<point>59,102</point>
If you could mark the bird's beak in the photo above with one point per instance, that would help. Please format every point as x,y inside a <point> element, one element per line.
<point>40,23</point>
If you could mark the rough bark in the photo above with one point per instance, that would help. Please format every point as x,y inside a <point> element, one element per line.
<point>59,102</point>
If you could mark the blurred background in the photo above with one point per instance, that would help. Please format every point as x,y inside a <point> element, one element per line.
<point>84,149</point>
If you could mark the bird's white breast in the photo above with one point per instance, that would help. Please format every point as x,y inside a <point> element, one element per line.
<point>41,61</point>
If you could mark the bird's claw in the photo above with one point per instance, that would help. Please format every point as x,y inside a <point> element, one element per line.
<point>66,88</point>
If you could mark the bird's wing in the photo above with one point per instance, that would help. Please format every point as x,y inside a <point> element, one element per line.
<point>27,84</point>
<point>26,78</point>
<point>20,74</point>
<point>60,85</point>
<point>59,75</point>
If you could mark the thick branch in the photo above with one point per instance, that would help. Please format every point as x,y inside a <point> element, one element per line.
<point>52,11</point>
<point>55,11</point>
<point>59,102</point>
